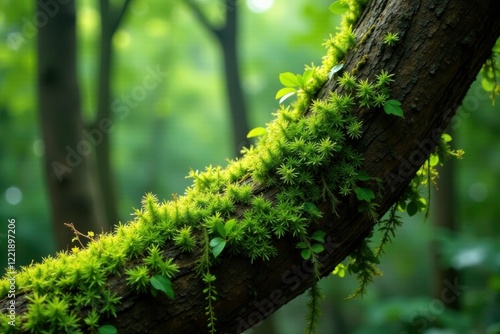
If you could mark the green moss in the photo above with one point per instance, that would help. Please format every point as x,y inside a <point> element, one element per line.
<point>360,64</point>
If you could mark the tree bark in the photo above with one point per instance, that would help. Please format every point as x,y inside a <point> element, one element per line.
<point>443,45</point>
<point>72,187</point>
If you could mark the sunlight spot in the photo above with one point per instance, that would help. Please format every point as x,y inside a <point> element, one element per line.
<point>88,20</point>
<point>469,257</point>
<point>259,6</point>
<point>157,27</point>
<point>121,39</point>
<point>13,195</point>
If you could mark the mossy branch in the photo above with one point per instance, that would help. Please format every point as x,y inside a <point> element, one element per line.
<point>261,269</point>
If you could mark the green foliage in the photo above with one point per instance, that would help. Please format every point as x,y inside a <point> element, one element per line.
<point>364,261</point>
<point>313,306</point>
<point>364,194</point>
<point>184,239</point>
<point>218,243</point>
<point>309,249</point>
<point>491,74</point>
<point>338,7</point>
<point>92,319</point>
<point>138,277</point>
<point>364,264</point>
<point>348,81</point>
<point>388,228</point>
<point>107,329</point>
<point>211,296</point>
<point>255,132</point>
<point>391,38</point>
<point>295,83</point>
<point>393,107</point>
<point>339,270</point>
<point>163,284</point>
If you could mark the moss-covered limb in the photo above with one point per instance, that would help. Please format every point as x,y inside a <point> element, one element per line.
<point>282,190</point>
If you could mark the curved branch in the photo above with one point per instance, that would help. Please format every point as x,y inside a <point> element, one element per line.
<point>203,19</point>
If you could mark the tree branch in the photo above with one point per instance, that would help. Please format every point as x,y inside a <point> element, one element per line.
<point>198,13</point>
<point>442,48</point>
<point>119,16</point>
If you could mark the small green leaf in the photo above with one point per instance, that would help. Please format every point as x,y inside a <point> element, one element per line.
<point>302,245</point>
<point>446,137</point>
<point>218,245</point>
<point>339,270</point>
<point>412,208</point>
<point>229,226</point>
<point>288,79</point>
<point>393,107</point>
<point>364,194</point>
<point>221,229</point>
<point>338,7</point>
<point>317,248</point>
<point>335,69</point>
<point>318,236</point>
<point>107,329</point>
<point>363,175</point>
<point>255,132</point>
<point>434,160</point>
<point>286,97</point>
<point>488,85</point>
<point>308,75</point>
<point>162,283</point>
<point>300,81</point>
<point>306,254</point>
<point>310,207</point>
<point>284,91</point>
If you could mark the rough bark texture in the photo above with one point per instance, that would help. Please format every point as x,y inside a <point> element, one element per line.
<point>443,45</point>
<point>71,185</point>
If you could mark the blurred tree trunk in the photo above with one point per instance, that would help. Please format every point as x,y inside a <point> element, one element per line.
<point>110,21</point>
<point>227,39</point>
<point>226,36</point>
<point>443,45</point>
<point>70,176</point>
<point>77,158</point>
<point>444,218</point>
